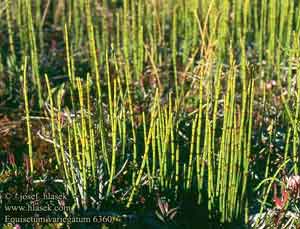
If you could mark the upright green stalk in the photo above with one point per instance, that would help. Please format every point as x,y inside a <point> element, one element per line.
<point>29,139</point>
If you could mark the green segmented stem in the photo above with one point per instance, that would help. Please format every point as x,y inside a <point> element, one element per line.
<point>29,138</point>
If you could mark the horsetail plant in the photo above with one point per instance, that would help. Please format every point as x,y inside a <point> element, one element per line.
<point>29,137</point>
<point>172,88</point>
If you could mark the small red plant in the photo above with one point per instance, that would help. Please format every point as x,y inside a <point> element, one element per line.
<point>289,191</point>
<point>280,202</point>
<point>11,159</point>
<point>165,214</point>
<point>293,186</point>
